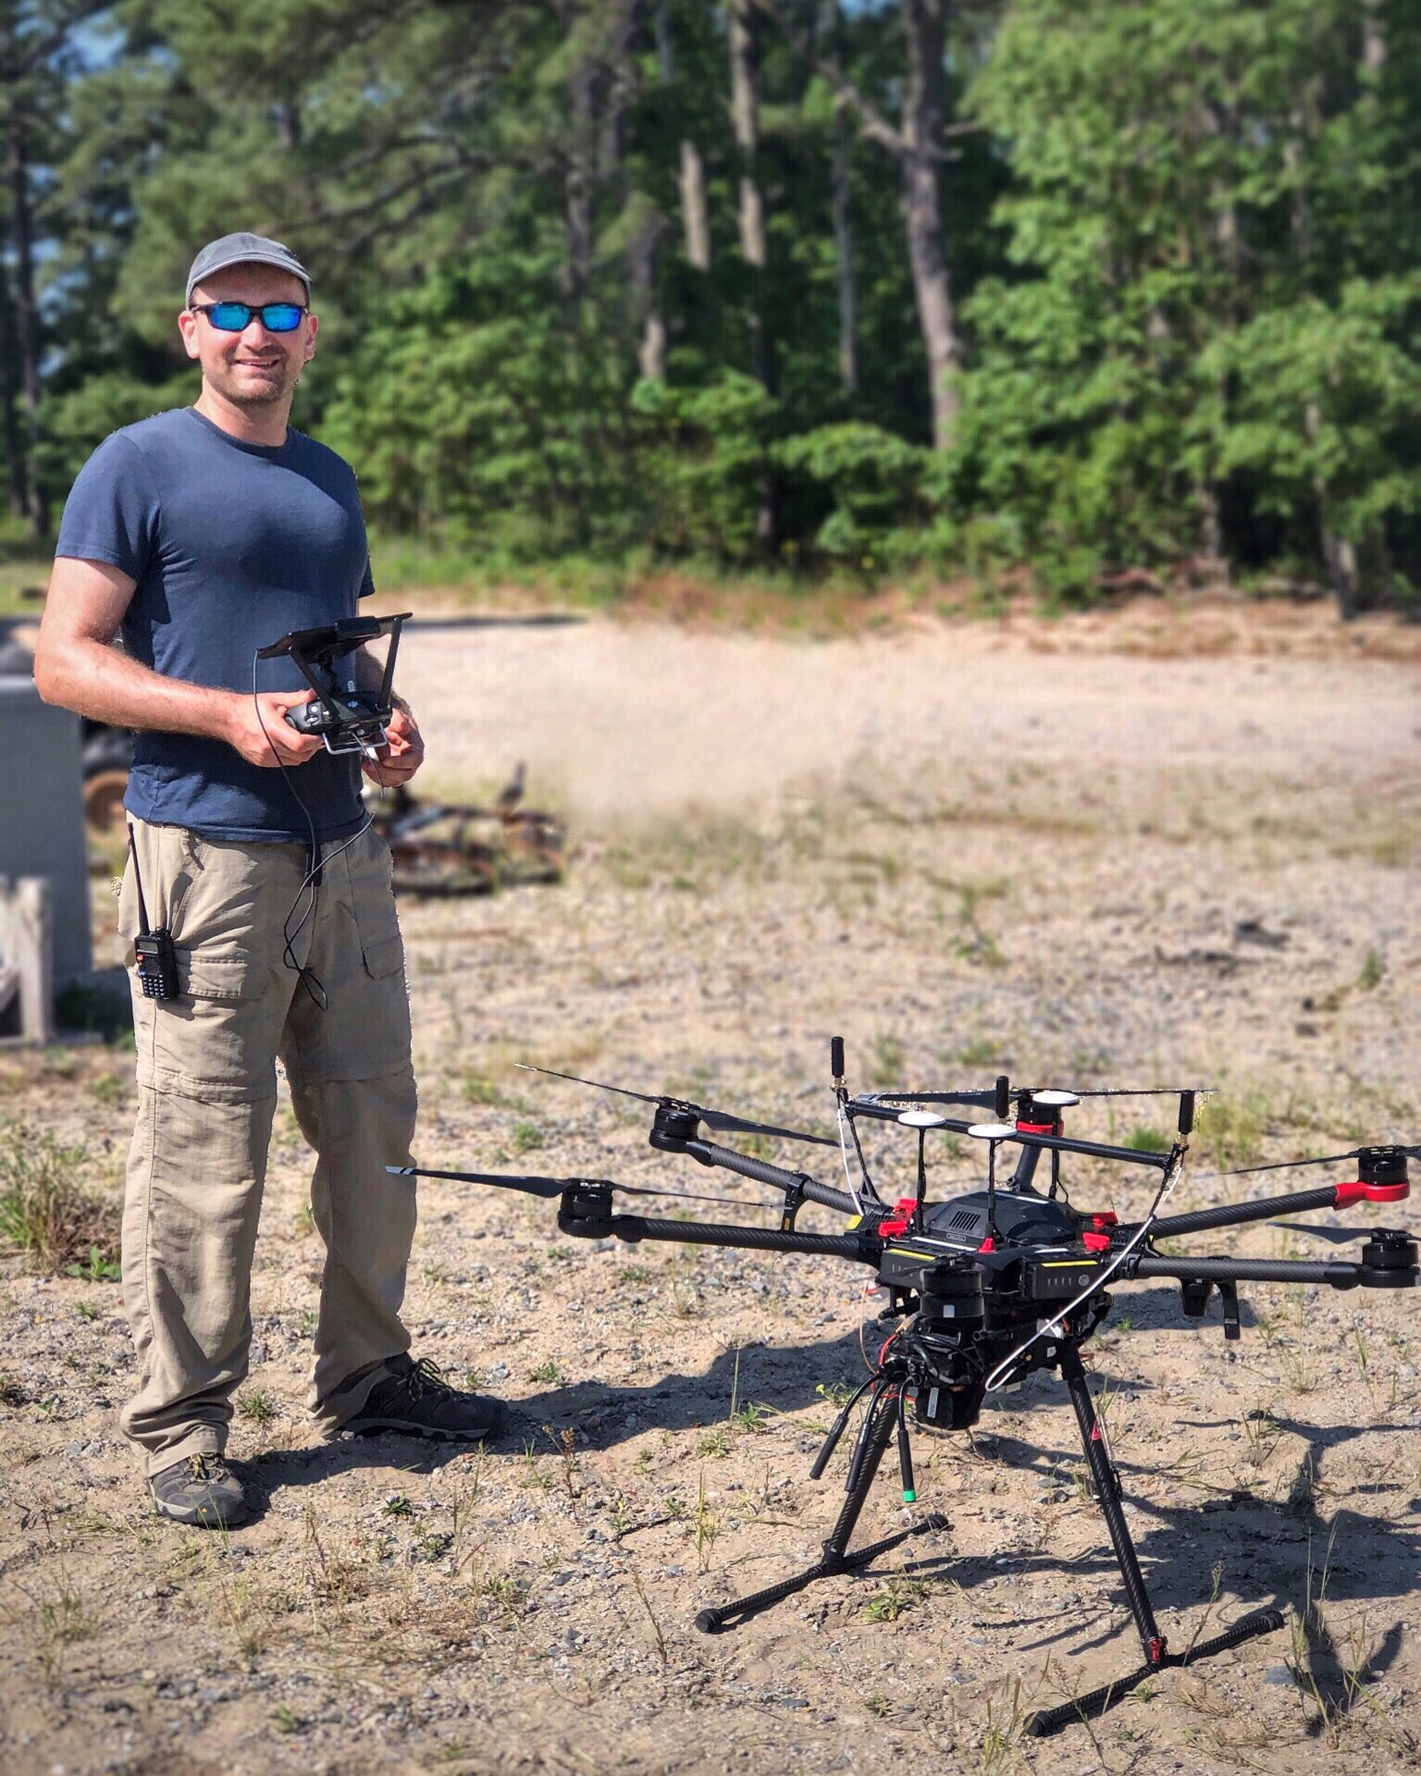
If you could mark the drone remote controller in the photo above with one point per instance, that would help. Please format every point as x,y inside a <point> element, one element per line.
<point>347,715</point>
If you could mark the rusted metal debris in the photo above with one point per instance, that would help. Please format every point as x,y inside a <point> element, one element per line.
<point>459,848</point>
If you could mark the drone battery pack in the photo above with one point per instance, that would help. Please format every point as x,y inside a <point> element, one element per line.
<point>157,964</point>
<point>1058,1279</point>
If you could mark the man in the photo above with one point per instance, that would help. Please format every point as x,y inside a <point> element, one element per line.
<point>204,534</point>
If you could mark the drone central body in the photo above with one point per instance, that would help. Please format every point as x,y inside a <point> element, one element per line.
<point>985,1287</point>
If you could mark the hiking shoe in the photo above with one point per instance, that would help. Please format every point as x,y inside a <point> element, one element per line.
<point>199,1489</point>
<point>415,1398</point>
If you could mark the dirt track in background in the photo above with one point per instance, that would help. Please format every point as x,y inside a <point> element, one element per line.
<point>967,849</point>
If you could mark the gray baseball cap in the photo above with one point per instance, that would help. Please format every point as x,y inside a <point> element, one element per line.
<point>244,249</point>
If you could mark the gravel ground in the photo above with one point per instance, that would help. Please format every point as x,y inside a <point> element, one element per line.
<point>1133,850</point>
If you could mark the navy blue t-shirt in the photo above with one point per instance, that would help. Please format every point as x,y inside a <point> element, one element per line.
<point>231,545</point>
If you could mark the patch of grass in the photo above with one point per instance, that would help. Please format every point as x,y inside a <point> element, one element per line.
<point>258,1406</point>
<point>714,1443</point>
<point>546,1372</point>
<point>834,1393</point>
<point>1146,1140</point>
<point>1373,969</point>
<point>895,1599</point>
<point>108,1088</point>
<point>478,1088</point>
<point>96,1268</point>
<point>47,1212</point>
<point>886,1067</point>
<point>527,1136</point>
<point>707,1525</point>
<point>1231,1126</point>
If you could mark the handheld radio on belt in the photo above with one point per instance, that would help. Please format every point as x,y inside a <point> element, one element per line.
<point>153,950</point>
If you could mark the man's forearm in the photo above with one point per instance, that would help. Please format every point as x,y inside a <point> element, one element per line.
<point>100,682</point>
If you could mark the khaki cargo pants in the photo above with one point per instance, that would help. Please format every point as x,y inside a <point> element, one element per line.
<point>206,1093</point>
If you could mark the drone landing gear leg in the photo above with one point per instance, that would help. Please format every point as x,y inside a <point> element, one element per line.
<point>883,1415</point>
<point>1107,1490</point>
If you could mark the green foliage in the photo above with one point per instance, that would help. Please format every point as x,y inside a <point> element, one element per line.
<point>48,1213</point>
<point>1183,243</point>
<point>1195,350</point>
<point>473,412</point>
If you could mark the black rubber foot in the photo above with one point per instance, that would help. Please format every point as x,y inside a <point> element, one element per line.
<point>709,1621</point>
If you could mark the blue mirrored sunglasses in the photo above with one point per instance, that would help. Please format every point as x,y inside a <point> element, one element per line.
<point>235,317</point>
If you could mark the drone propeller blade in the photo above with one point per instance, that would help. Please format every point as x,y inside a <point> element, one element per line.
<point>719,1119</point>
<point>531,1186</point>
<point>982,1100</point>
<point>716,1119</point>
<point>1148,1091</point>
<point>1337,1236</point>
<point>597,1084</point>
<point>1290,1165</point>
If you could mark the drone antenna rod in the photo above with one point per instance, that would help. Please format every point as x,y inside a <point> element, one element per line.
<point>861,1442</point>
<point>836,1059</point>
<point>905,1452</point>
<point>992,1191</point>
<point>922,1180</point>
<point>836,1430</point>
<point>1003,1102</point>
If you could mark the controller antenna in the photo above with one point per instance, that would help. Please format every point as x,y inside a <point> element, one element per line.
<point>836,1061</point>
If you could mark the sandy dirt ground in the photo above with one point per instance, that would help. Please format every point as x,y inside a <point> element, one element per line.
<point>1104,852</point>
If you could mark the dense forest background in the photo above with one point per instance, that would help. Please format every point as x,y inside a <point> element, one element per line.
<point>1080,286</point>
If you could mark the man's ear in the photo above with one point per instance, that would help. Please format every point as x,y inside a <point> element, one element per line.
<point>187,326</point>
<point>313,326</point>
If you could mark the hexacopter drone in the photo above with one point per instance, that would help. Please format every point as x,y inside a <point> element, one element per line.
<point>985,1287</point>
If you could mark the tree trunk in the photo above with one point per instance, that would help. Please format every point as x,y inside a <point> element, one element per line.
<point>924,100</point>
<point>642,255</point>
<point>9,409</point>
<point>621,88</point>
<point>695,216</point>
<point>579,185</point>
<point>843,227</point>
<point>691,177</point>
<point>745,121</point>
<point>1373,37</point>
<point>22,234</point>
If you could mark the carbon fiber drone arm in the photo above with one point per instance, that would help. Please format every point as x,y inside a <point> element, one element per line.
<point>585,1215</point>
<point>711,1153</point>
<point>1336,1275</point>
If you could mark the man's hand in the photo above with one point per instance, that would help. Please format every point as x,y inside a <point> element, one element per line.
<point>401,756</point>
<point>257,728</point>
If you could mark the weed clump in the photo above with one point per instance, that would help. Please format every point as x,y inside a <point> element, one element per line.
<point>48,1213</point>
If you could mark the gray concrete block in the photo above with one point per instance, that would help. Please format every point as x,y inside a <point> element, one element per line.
<point>42,816</point>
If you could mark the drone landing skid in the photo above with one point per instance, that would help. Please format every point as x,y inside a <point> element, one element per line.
<point>883,1415</point>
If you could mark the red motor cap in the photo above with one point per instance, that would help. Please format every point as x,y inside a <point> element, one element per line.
<point>1038,1128</point>
<point>1096,1242</point>
<point>1104,1218</point>
<point>1361,1191</point>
